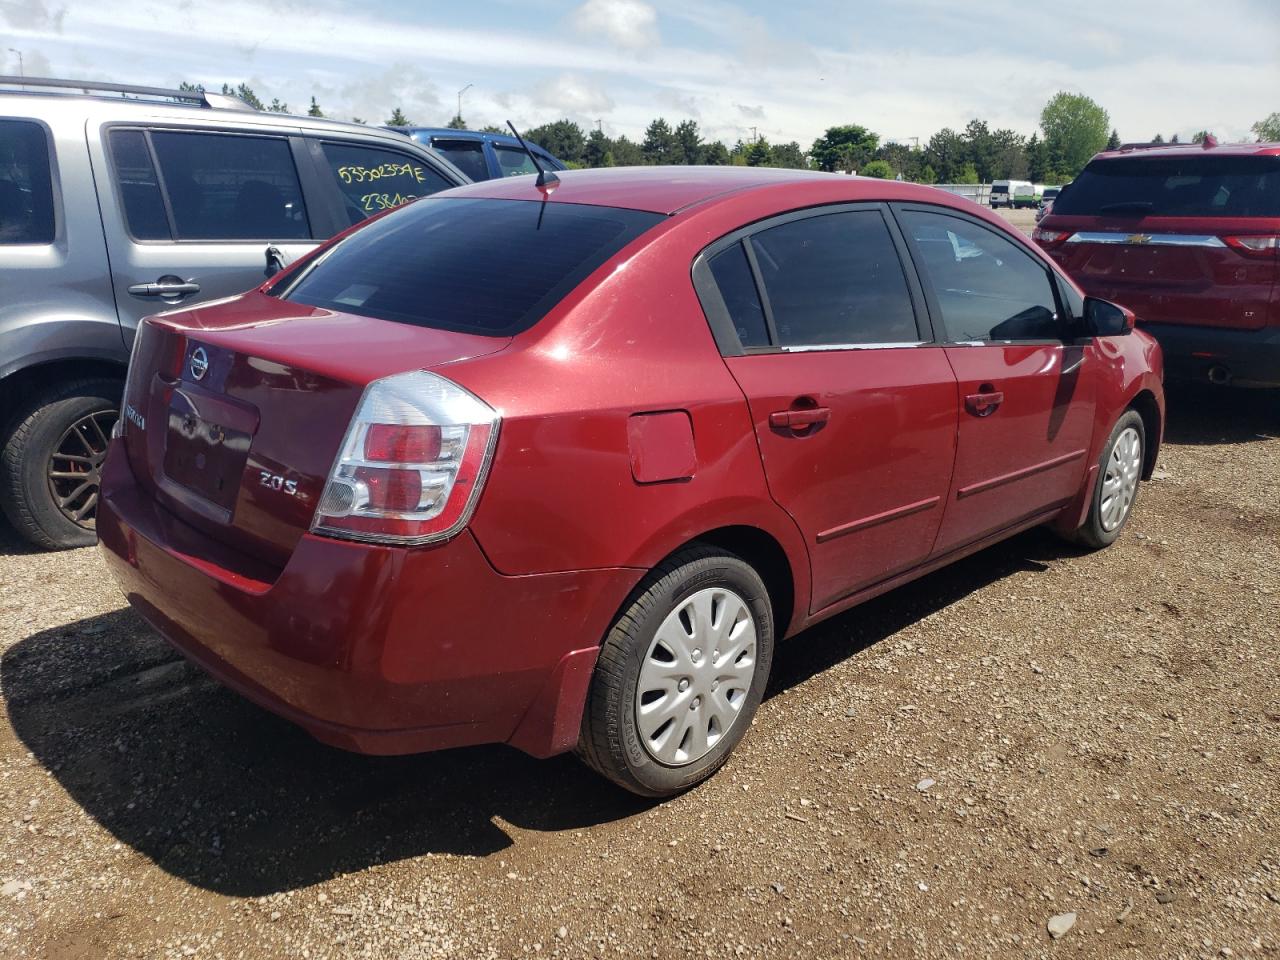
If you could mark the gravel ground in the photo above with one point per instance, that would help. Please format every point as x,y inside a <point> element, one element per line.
<point>1031,733</point>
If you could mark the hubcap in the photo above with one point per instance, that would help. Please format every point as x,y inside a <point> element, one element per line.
<point>76,464</point>
<point>687,701</point>
<point>1120,482</point>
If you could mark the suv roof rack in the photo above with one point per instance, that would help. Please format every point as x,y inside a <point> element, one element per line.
<point>202,98</point>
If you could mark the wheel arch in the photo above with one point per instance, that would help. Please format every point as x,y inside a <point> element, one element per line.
<point>1145,405</point>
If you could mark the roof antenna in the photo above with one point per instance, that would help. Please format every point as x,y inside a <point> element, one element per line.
<point>546,178</point>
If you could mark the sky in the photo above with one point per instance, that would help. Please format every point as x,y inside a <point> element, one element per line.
<point>785,71</point>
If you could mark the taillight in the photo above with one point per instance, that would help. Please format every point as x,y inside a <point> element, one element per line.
<point>1050,238</point>
<point>412,464</point>
<point>1263,247</point>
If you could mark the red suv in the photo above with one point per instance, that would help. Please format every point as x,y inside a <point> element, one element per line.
<point>1188,237</point>
<point>557,468</point>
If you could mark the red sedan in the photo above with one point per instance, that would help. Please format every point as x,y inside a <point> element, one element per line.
<point>557,467</point>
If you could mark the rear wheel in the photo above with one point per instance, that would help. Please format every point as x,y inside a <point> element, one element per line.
<point>1119,472</point>
<point>680,674</point>
<point>51,461</point>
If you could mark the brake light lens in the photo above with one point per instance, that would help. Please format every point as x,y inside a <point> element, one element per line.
<point>1050,238</point>
<point>412,464</point>
<point>1263,247</point>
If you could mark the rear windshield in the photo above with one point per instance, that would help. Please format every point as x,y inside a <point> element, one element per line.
<point>1192,186</point>
<point>478,266</point>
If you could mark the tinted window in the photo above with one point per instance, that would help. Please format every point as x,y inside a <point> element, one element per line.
<point>835,279</point>
<point>373,180</point>
<point>1192,186</point>
<point>225,187</point>
<point>737,288</point>
<point>513,161</point>
<point>480,266</point>
<point>987,286</point>
<point>26,184</point>
<point>466,155</point>
<point>139,188</point>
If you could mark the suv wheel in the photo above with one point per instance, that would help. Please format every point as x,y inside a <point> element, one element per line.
<point>1119,472</point>
<point>50,462</point>
<point>680,674</point>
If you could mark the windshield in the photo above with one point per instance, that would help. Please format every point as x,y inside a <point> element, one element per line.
<point>478,266</point>
<point>1192,186</point>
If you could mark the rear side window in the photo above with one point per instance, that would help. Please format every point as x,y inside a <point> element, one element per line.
<point>513,161</point>
<point>373,180</point>
<point>835,279</point>
<point>26,184</point>
<point>737,286</point>
<point>466,155</point>
<point>1198,185</point>
<point>987,287</point>
<point>229,187</point>
<point>139,187</point>
<point>479,266</point>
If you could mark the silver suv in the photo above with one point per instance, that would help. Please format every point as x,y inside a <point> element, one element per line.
<point>117,202</point>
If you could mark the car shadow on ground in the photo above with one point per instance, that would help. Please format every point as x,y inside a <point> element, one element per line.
<point>230,798</point>
<point>1202,414</point>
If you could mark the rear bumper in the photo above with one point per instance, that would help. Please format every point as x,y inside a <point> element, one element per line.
<point>373,649</point>
<point>1248,357</point>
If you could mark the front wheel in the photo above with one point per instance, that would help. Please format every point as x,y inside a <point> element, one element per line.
<point>1119,472</point>
<point>680,674</point>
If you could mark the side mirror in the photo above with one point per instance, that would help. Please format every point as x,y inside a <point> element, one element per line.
<point>1102,318</point>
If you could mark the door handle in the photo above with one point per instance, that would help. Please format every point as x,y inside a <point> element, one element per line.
<point>165,287</point>
<point>801,418</point>
<point>984,403</point>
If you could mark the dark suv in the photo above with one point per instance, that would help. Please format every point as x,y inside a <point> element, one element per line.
<point>1188,237</point>
<point>120,201</point>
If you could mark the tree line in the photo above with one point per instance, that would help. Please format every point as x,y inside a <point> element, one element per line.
<point>1074,128</point>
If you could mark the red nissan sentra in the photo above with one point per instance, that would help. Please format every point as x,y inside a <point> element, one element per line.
<point>557,467</point>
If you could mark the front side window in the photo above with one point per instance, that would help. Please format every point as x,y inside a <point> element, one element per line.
<point>466,155</point>
<point>228,187</point>
<point>986,286</point>
<point>26,184</point>
<point>513,161</point>
<point>372,180</point>
<point>478,266</point>
<point>835,279</point>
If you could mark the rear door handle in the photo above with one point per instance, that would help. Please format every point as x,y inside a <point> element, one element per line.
<point>983,404</point>
<point>804,417</point>
<point>165,287</point>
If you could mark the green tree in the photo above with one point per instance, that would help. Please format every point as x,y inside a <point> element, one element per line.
<point>1075,128</point>
<point>398,119</point>
<point>968,174</point>
<point>359,120</point>
<point>1267,129</point>
<point>788,155</point>
<point>715,154</point>
<point>195,87</point>
<point>927,175</point>
<point>844,148</point>
<point>1037,160</point>
<point>1113,141</point>
<point>245,93</point>
<point>1010,161</point>
<point>1174,139</point>
<point>758,153</point>
<point>902,159</point>
<point>492,128</point>
<point>596,149</point>
<point>278,106</point>
<point>980,148</point>
<point>627,153</point>
<point>688,143</point>
<point>659,143</point>
<point>1158,138</point>
<point>1201,136</point>
<point>457,123</point>
<point>314,110</point>
<point>945,152</point>
<point>879,169</point>
<point>561,138</point>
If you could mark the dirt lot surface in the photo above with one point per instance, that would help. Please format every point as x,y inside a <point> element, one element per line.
<point>1031,733</point>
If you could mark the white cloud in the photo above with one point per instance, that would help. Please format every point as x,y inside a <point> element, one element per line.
<point>573,95</point>
<point>632,24</point>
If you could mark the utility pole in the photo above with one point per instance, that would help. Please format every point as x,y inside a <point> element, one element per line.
<point>600,125</point>
<point>754,135</point>
<point>21,71</point>
<point>460,93</point>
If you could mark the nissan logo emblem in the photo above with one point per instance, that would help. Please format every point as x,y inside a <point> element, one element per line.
<point>199,363</point>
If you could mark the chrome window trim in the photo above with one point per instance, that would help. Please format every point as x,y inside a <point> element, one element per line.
<point>1150,239</point>
<point>812,347</point>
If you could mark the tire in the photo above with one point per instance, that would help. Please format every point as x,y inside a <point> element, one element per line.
<point>42,428</point>
<point>1105,522</point>
<point>613,741</point>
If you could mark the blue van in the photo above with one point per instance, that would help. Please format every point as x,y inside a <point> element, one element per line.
<point>481,156</point>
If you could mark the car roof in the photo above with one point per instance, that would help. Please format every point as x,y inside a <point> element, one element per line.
<point>668,190</point>
<point>448,132</point>
<point>1183,149</point>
